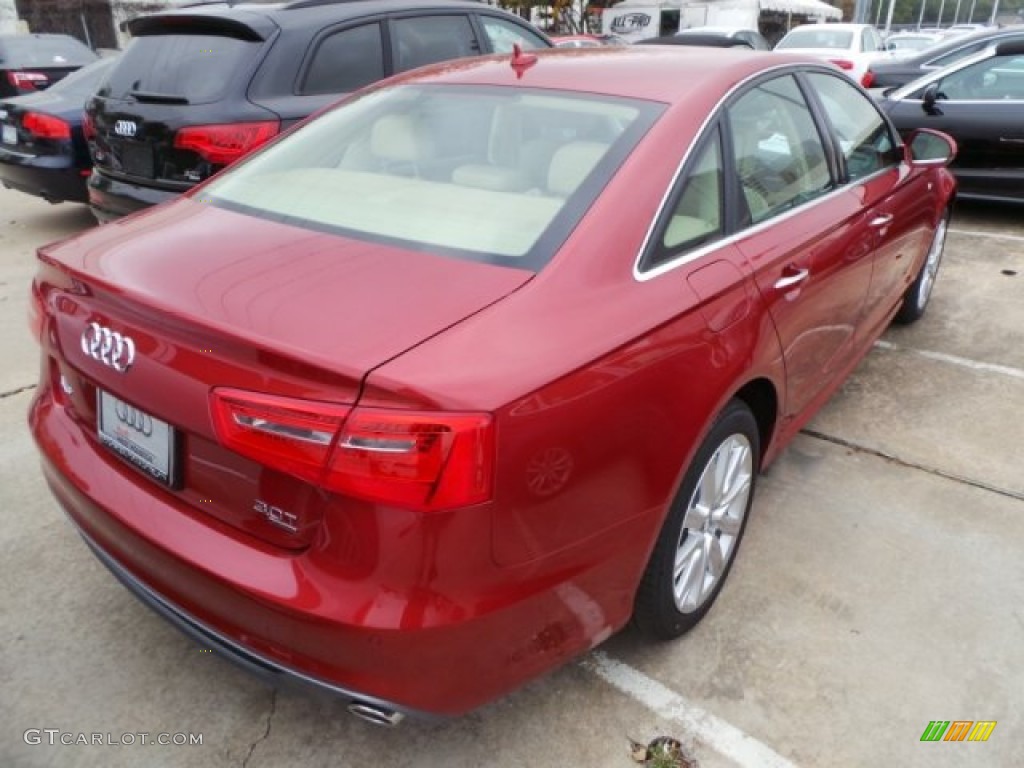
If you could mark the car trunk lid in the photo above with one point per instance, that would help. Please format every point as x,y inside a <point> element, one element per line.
<point>284,311</point>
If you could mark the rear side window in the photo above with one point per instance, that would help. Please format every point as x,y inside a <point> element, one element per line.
<point>44,51</point>
<point>346,61</point>
<point>195,69</point>
<point>428,39</point>
<point>503,34</point>
<point>697,214</point>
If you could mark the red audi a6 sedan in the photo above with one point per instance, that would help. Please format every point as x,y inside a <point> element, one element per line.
<point>446,385</point>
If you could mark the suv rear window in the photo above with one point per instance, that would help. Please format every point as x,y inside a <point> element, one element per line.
<point>44,51</point>
<point>193,69</point>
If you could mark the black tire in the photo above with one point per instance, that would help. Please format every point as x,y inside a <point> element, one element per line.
<point>657,612</point>
<point>915,300</point>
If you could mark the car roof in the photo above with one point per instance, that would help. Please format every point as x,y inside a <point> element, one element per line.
<point>849,27</point>
<point>261,17</point>
<point>953,43</point>
<point>663,73</point>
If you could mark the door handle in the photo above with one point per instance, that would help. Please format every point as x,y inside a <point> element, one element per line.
<point>881,221</point>
<point>792,276</point>
<point>1008,140</point>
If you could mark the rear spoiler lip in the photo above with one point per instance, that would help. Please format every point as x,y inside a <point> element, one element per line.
<point>249,27</point>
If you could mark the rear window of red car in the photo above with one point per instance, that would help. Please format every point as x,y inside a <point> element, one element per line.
<point>488,174</point>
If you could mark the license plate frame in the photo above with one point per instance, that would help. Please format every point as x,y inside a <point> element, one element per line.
<point>147,443</point>
<point>138,160</point>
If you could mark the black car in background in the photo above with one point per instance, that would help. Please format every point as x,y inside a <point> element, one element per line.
<point>707,39</point>
<point>978,101</point>
<point>198,87</point>
<point>891,73</point>
<point>43,149</point>
<point>30,63</point>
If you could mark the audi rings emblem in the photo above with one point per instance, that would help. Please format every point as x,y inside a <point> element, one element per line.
<point>109,347</point>
<point>126,128</point>
<point>132,417</point>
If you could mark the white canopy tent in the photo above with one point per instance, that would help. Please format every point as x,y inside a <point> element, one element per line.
<point>814,8</point>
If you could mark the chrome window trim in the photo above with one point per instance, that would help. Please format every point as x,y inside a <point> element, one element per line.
<point>642,276</point>
<point>753,229</point>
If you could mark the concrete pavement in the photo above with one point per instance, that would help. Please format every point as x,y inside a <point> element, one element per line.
<point>879,586</point>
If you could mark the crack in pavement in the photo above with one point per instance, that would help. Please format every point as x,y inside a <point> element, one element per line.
<point>18,391</point>
<point>266,733</point>
<point>1017,495</point>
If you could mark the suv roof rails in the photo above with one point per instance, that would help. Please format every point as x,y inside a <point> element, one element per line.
<point>229,3</point>
<point>311,3</point>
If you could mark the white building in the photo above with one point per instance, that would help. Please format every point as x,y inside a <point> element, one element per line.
<point>95,22</point>
<point>8,17</point>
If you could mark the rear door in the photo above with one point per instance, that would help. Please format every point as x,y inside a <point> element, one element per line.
<point>807,246</point>
<point>897,211</point>
<point>173,111</point>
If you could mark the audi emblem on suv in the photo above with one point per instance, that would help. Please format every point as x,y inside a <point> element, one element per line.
<point>126,128</point>
<point>109,347</point>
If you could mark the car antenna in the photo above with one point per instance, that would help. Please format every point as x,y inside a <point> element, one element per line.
<point>521,61</point>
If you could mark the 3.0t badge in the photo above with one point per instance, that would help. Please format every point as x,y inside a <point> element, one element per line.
<point>111,348</point>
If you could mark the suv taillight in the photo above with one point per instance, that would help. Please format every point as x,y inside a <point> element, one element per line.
<point>45,126</point>
<point>424,460</point>
<point>88,127</point>
<point>28,81</point>
<point>223,144</point>
<point>868,79</point>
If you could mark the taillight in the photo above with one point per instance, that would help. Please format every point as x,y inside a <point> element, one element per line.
<point>45,126</point>
<point>88,127</point>
<point>424,460</point>
<point>868,79</point>
<point>294,436</point>
<point>223,144</point>
<point>25,81</point>
<point>843,63</point>
<point>419,459</point>
<point>36,312</point>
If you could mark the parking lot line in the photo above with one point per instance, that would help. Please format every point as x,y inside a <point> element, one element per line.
<point>995,235</point>
<point>728,740</point>
<point>963,362</point>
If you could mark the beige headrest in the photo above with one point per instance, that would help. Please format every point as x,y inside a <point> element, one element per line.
<point>570,165</point>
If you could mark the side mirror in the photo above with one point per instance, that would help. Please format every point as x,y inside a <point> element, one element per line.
<point>928,99</point>
<point>926,147</point>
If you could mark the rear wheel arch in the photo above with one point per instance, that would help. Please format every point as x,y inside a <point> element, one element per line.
<point>761,397</point>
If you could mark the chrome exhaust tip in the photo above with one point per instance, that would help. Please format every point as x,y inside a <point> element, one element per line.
<point>371,713</point>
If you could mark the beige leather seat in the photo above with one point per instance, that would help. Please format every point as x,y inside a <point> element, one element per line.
<point>398,146</point>
<point>571,164</point>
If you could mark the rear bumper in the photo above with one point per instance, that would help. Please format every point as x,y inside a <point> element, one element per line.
<point>415,647</point>
<point>52,178</point>
<point>112,198</point>
<point>261,666</point>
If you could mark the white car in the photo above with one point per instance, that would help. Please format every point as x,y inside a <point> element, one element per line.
<point>851,47</point>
